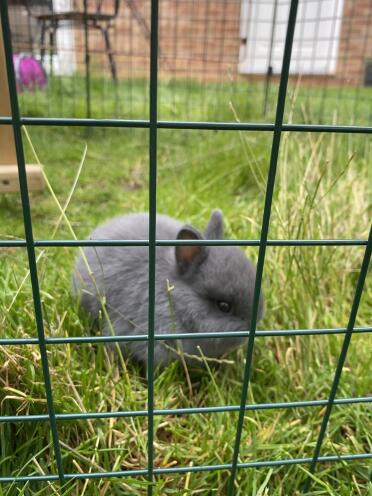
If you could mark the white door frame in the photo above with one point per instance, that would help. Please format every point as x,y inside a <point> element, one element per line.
<point>316,38</point>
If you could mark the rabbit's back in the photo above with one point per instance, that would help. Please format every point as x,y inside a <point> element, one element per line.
<point>119,274</point>
<point>136,226</point>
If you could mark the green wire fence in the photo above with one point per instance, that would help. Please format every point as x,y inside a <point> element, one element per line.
<point>246,41</point>
<point>153,124</point>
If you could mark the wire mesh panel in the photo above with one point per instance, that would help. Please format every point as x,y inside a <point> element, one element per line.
<point>232,47</point>
<point>154,98</point>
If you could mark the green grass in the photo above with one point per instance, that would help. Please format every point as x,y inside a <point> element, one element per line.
<point>193,100</point>
<point>322,191</point>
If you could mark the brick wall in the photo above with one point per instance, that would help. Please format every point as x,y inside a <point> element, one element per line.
<point>199,39</point>
<point>355,46</point>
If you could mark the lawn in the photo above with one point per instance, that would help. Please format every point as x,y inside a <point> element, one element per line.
<point>322,191</point>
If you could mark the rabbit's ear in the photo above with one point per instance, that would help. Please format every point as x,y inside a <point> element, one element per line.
<point>214,228</point>
<point>189,256</point>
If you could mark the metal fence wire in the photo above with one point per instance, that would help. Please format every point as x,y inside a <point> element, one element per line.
<point>153,124</point>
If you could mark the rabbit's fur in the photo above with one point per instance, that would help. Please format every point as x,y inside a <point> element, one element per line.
<point>201,276</point>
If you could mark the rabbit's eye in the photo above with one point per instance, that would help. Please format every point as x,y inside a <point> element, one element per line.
<point>224,306</point>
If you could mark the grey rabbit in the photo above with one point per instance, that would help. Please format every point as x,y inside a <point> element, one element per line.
<point>212,286</point>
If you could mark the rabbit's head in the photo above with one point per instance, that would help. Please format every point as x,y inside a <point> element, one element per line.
<point>215,288</point>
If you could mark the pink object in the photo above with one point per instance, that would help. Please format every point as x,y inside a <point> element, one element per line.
<point>30,74</point>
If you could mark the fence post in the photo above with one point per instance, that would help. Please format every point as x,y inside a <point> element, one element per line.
<point>27,221</point>
<point>8,160</point>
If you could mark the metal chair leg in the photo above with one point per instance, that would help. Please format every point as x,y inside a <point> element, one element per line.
<point>52,40</point>
<point>105,33</point>
<point>42,41</point>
